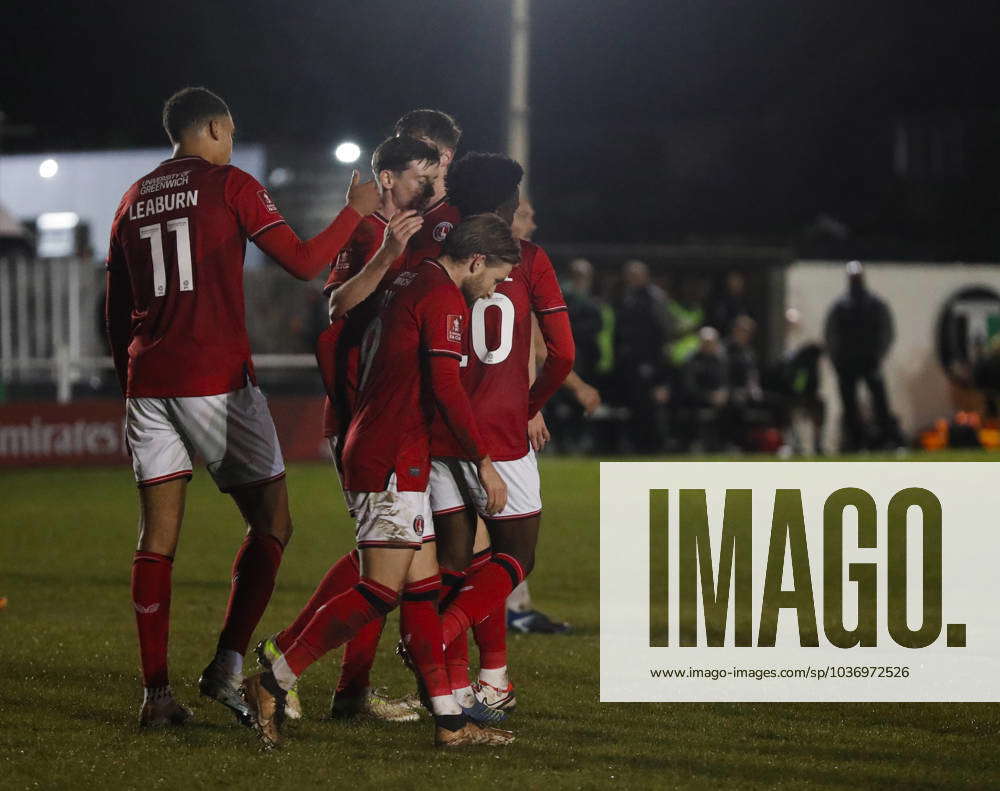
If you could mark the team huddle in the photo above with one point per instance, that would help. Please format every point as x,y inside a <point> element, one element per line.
<point>429,373</point>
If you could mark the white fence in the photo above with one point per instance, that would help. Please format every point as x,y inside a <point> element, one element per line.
<point>50,329</point>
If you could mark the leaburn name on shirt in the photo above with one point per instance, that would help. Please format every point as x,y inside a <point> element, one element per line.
<point>162,203</point>
<point>166,182</point>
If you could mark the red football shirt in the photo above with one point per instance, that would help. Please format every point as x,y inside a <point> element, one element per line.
<point>423,313</point>
<point>439,219</point>
<point>364,243</point>
<point>180,234</point>
<point>498,350</point>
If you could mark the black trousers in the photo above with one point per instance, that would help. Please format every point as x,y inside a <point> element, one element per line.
<point>847,380</point>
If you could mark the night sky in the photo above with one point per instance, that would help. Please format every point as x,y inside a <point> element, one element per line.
<point>651,121</point>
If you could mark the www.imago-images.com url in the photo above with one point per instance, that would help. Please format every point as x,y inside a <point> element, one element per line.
<point>762,673</point>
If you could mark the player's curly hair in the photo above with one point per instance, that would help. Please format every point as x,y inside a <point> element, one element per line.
<point>432,124</point>
<point>191,107</point>
<point>479,182</point>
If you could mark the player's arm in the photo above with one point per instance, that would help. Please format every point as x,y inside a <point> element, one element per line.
<point>359,287</point>
<point>560,352</point>
<point>263,224</point>
<point>118,311</point>
<point>553,323</point>
<point>456,411</point>
<point>586,395</point>
<point>441,328</point>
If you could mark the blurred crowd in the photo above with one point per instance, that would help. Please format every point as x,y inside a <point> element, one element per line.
<point>677,368</point>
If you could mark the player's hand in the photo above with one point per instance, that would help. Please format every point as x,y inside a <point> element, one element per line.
<point>588,397</point>
<point>362,196</point>
<point>399,230</point>
<point>493,485</point>
<point>538,432</point>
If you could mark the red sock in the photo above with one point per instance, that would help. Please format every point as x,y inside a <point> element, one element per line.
<point>490,634</point>
<point>338,620</point>
<point>341,576</point>
<point>420,626</point>
<point>479,560</point>
<point>456,661</point>
<point>359,656</point>
<point>491,637</point>
<point>481,595</point>
<point>151,602</point>
<point>451,584</point>
<point>254,571</point>
<point>456,655</point>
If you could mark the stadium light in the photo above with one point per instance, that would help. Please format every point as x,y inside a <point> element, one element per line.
<point>48,168</point>
<point>347,153</point>
<point>58,220</point>
<point>279,177</point>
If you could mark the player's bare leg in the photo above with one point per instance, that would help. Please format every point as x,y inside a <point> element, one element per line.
<point>161,511</point>
<point>420,626</point>
<point>422,582</point>
<point>513,542</point>
<point>265,509</point>
<point>383,573</point>
<point>457,537</point>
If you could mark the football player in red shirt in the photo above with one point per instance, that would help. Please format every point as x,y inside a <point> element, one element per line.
<point>440,130</point>
<point>404,168</point>
<point>409,368</point>
<point>405,171</point>
<point>175,321</point>
<point>497,379</point>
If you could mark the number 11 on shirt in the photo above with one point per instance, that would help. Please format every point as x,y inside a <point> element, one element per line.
<point>185,270</point>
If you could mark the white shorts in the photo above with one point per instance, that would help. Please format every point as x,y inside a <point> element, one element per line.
<point>233,432</point>
<point>391,518</point>
<point>455,485</point>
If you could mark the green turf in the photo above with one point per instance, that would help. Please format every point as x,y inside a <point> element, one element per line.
<point>69,687</point>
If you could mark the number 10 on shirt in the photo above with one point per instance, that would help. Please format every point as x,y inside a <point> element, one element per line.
<point>154,233</point>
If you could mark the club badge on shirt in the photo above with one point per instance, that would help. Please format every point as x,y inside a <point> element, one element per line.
<point>454,328</point>
<point>441,230</point>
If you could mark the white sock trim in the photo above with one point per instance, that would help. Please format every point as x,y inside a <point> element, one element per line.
<point>495,677</point>
<point>519,599</point>
<point>465,696</point>
<point>445,704</point>
<point>283,673</point>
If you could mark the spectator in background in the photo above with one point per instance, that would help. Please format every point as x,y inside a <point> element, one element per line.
<point>744,374</point>
<point>686,315</point>
<point>748,407</point>
<point>729,302</point>
<point>795,382</point>
<point>640,335</point>
<point>705,377</point>
<point>592,322</point>
<point>859,333</point>
<point>585,315</point>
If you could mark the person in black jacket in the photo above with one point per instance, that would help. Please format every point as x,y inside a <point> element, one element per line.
<point>640,367</point>
<point>859,332</point>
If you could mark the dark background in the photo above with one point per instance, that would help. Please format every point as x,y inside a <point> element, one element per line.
<point>838,129</point>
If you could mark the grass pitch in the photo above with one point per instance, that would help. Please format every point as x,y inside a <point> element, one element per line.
<point>70,688</point>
